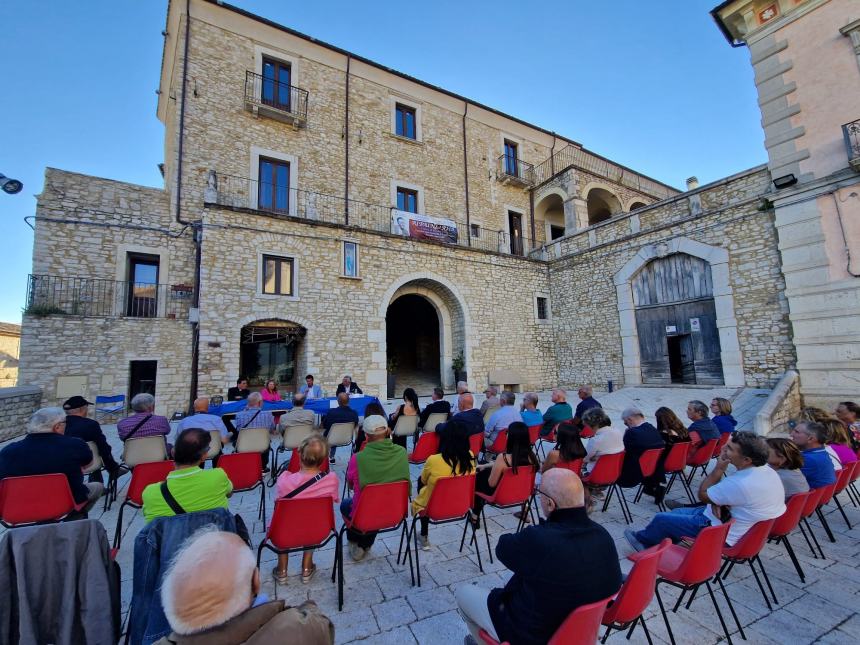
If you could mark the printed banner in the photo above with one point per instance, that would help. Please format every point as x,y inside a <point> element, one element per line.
<point>423,227</point>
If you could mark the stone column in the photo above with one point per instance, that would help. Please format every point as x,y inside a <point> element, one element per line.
<point>581,208</point>
<point>569,217</point>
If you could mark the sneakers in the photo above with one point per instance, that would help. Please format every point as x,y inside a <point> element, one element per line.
<point>424,541</point>
<point>356,552</point>
<point>672,504</point>
<point>280,577</point>
<point>308,574</point>
<point>637,546</point>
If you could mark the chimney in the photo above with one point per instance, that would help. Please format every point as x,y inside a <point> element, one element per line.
<point>692,183</point>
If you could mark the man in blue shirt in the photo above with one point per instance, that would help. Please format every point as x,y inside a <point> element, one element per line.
<point>530,413</point>
<point>203,420</point>
<point>309,389</point>
<point>810,438</point>
<point>501,418</point>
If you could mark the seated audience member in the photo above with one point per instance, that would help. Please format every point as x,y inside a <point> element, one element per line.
<point>672,431</point>
<point>752,494</point>
<point>786,460</point>
<point>469,416</point>
<point>193,488</point>
<point>639,437</point>
<point>722,410</point>
<point>702,429</point>
<point>254,416</point>
<point>568,449</point>
<point>349,386</point>
<point>409,408</point>
<point>501,418</point>
<point>606,440</point>
<point>546,586</point>
<point>310,390</point>
<point>453,458</point>
<point>848,413</point>
<point>144,422</point>
<point>223,603</point>
<point>838,445</point>
<point>46,450</point>
<point>529,412</point>
<point>308,482</point>
<point>240,392</point>
<point>462,388</point>
<point>559,411</point>
<point>586,402</point>
<point>341,414</point>
<point>203,420</point>
<point>270,392</point>
<point>810,437</point>
<point>374,407</point>
<point>437,405</point>
<point>79,426</point>
<point>491,399</point>
<point>381,462</point>
<point>518,454</point>
<point>297,416</point>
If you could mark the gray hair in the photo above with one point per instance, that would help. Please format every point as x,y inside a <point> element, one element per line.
<point>814,429</point>
<point>631,411</point>
<point>560,390</point>
<point>596,418</point>
<point>462,385</point>
<point>44,420</point>
<point>142,402</point>
<point>492,389</point>
<point>298,399</point>
<point>255,398</point>
<point>587,389</point>
<point>507,397</point>
<point>699,408</point>
<point>531,397</point>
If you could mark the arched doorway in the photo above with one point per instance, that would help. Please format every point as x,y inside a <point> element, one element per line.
<point>636,205</point>
<point>550,210</point>
<point>413,334</point>
<point>270,349</point>
<point>676,321</point>
<point>602,205</point>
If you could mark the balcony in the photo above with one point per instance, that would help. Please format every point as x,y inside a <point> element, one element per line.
<point>851,134</point>
<point>513,171</point>
<point>276,100</point>
<point>96,298</point>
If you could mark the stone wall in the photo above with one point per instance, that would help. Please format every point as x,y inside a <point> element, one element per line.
<point>17,405</point>
<point>10,345</point>
<point>783,405</point>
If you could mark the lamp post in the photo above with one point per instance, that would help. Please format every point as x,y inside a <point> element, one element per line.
<point>10,186</point>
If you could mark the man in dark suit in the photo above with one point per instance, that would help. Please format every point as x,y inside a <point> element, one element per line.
<point>240,392</point>
<point>85,429</point>
<point>341,414</point>
<point>437,406</point>
<point>470,416</point>
<point>639,437</point>
<point>586,403</point>
<point>348,386</point>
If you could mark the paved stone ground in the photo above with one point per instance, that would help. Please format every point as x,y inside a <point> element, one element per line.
<point>382,607</point>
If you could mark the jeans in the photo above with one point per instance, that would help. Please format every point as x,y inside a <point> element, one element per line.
<point>676,524</point>
<point>364,540</point>
<point>472,603</point>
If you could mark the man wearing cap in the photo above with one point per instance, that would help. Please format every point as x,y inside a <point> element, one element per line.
<point>81,427</point>
<point>381,462</point>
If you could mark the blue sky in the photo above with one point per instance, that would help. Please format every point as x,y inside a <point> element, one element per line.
<point>652,85</point>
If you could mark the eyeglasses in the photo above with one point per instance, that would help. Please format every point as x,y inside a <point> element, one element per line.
<point>548,496</point>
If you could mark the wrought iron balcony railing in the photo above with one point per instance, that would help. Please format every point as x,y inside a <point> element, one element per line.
<point>275,99</point>
<point>94,297</point>
<point>511,170</point>
<point>851,134</point>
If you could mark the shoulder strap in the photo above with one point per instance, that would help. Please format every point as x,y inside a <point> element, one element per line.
<point>307,484</point>
<point>137,427</point>
<point>171,500</point>
<point>251,420</point>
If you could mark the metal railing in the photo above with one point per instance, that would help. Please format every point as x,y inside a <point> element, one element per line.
<point>498,241</point>
<point>274,95</point>
<point>851,134</point>
<point>575,156</point>
<point>510,168</point>
<point>94,297</point>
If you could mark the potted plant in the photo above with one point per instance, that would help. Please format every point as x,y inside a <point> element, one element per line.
<point>458,364</point>
<point>391,368</point>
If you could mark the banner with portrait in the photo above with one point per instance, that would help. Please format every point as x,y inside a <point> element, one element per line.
<point>423,227</point>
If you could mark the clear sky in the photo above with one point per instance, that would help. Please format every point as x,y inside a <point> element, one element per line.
<point>652,85</point>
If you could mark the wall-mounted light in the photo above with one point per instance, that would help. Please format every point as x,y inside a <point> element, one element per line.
<point>195,89</point>
<point>785,181</point>
<point>359,135</point>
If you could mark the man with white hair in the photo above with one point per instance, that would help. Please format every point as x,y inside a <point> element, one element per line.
<point>501,418</point>
<point>462,388</point>
<point>381,462</point>
<point>46,450</point>
<point>639,437</point>
<point>586,402</point>
<point>254,416</point>
<point>559,411</point>
<point>545,586</point>
<point>529,412</point>
<point>492,400</point>
<point>144,422</point>
<point>223,604</point>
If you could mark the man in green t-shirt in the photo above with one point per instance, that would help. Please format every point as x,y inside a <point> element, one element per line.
<point>559,411</point>
<point>193,488</point>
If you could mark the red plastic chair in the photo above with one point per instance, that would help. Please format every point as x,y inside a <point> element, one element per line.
<point>626,609</point>
<point>648,462</point>
<point>786,523</point>
<point>582,627</point>
<point>514,489</point>
<point>811,505</point>
<point>586,433</point>
<point>606,472</point>
<point>747,550</point>
<point>450,501</point>
<point>534,434</point>
<point>574,466</point>
<point>827,493</point>
<point>295,464</point>
<point>853,493</point>
<point>142,476</point>
<point>843,480</point>
<point>381,508</point>
<point>500,444</point>
<point>36,499</point>
<point>673,466</point>
<point>722,441</point>
<point>476,443</point>
<point>246,473</point>
<point>428,444</point>
<point>689,569</point>
<point>701,457</point>
<point>550,438</point>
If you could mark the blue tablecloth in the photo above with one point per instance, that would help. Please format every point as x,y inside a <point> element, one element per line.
<point>318,406</point>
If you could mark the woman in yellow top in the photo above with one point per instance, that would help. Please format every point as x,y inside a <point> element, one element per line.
<point>453,458</point>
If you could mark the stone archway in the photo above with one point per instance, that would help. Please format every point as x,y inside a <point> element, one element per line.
<point>272,348</point>
<point>550,211</point>
<point>602,205</point>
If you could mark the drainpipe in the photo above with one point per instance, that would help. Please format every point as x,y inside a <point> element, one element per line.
<point>466,175</point>
<point>532,214</point>
<point>552,157</point>
<point>195,326</point>
<point>346,136</point>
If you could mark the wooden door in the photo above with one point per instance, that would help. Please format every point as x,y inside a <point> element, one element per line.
<point>651,325</point>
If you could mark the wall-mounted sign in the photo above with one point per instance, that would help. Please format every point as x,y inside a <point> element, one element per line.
<point>671,329</point>
<point>695,325</point>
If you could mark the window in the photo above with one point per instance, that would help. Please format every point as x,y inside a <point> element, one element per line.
<point>277,275</point>
<point>404,121</point>
<point>407,200</point>
<point>142,281</point>
<point>475,230</point>
<point>511,159</point>
<point>274,185</point>
<point>350,259</point>
<point>542,308</point>
<point>555,232</point>
<point>276,84</point>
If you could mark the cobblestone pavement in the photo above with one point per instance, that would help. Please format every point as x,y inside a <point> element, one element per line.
<point>382,607</point>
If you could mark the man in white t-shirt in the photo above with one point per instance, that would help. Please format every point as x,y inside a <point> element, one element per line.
<point>754,493</point>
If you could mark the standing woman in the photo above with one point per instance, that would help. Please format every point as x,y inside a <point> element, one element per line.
<point>722,410</point>
<point>270,392</point>
<point>408,408</point>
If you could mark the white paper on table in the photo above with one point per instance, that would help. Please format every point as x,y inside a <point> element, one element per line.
<point>355,396</point>
<point>332,404</point>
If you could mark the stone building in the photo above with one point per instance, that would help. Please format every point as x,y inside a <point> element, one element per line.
<point>322,213</point>
<point>10,345</point>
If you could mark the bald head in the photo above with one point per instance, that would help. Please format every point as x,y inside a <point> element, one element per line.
<point>466,402</point>
<point>343,399</point>
<point>201,404</point>
<point>198,597</point>
<point>563,487</point>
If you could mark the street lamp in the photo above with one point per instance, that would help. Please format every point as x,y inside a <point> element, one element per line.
<point>10,186</point>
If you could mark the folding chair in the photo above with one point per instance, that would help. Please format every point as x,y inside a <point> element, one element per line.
<point>291,440</point>
<point>142,476</point>
<point>626,609</point>
<point>109,405</point>
<point>36,499</point>
<point>428,444</point>
<point>606,472</point>
<point>245,473</point>
<point>786,523</point>
<point>450,501</point>
<point>747,550</point>
<point>434,420</point>
<point>673,466</point>
<point>648,461</point>
<point>381,508</point>
<point>514,489</point>
<point>582,627</point>
<point>701,458</point>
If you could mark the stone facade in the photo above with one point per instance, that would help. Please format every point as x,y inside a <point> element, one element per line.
<point>17,405</point>
<point>10,346</point>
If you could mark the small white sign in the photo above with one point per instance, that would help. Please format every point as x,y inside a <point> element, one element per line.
<point>671,329</point>
<point>694,325</point>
